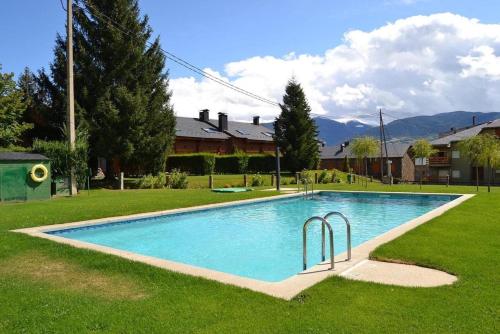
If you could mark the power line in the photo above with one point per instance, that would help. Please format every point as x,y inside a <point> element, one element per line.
<point>176,59</point>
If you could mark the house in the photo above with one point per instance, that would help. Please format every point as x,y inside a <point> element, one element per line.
<point>221,136</point>
<point>399,154</point>
<point>448,162</point>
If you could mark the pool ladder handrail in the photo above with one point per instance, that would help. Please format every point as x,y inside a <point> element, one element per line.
<point>306,188</point>
<point>324,222</point>
<point>348,231</point>
<point>304,241</point>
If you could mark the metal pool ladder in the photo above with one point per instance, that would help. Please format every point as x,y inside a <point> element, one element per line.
<point>324,222</point>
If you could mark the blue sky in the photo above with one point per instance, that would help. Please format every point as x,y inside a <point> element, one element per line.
<point>212,33</point>
<point>409,57</point>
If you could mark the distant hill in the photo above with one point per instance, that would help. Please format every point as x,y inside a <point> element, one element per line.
<point>334,132</point>
<point>431,126</point>
<point>405,129</point>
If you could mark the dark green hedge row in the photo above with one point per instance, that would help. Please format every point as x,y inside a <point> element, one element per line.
<point>199,164</point>
<point>203,164</point>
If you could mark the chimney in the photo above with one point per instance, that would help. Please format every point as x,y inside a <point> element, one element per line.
<point>204,117</point>
<point>453,130</point>
<point>474,120</point>
<point>346,143</point>
<point>256,120</point>
<point>222,122</point>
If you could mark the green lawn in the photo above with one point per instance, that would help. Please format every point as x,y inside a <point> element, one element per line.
<point>50,287</point>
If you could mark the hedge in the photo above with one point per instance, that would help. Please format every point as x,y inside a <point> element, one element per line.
<point>200,163</point>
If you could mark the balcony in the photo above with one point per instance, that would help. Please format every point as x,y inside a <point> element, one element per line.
<point>439,161</point>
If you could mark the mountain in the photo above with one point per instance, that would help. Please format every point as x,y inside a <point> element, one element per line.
<point>431,126</point>
<point>405,129</point>
<point>334,132</point>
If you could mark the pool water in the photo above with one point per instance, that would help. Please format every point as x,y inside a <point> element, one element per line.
<point>261,240</point>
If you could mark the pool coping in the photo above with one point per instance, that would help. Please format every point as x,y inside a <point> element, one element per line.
<point>285,289</point>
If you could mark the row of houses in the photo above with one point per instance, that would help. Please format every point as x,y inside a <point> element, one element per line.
<point>220,136</point>
<point>447,165</point>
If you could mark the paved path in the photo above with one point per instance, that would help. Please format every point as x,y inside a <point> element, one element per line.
<point>398,274</point>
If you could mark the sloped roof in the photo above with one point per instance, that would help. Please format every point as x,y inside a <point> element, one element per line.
<point>193,127</point>
<point>21,156</point>
<point>464,133</point>
<point>493,124</point>
<point>394,150</point>
<point>247,130</point>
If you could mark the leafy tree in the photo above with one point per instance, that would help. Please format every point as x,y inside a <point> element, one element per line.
<point>423,149</point>
<point>121,87</point>
<point>42,110</point>
<point>12,108</point>
<point>295,130</point>
<point>489,154</point>
<point>472,148</point>
<point>362,148</point>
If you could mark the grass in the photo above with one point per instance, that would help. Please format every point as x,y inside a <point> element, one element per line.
<point>50,287</point>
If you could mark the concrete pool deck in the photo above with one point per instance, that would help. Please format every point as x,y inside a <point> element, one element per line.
<point>357,268</point>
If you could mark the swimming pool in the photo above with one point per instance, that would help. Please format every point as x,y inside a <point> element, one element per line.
<point>260,240</point>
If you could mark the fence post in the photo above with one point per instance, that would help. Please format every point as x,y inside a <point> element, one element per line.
<point>316,177</point>
<point>245,180</point>
<point>272,180</point>
<point>211,181</point>
<point>121,180</point>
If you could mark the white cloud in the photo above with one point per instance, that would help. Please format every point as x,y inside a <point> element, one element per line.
<point>417,65</point>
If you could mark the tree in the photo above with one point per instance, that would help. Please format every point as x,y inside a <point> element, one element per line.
<point>423,149</point>
<point>362,148</point>
<point>489,154</point>
<point>295,130</point>
<point>121,87</point>
<point>43,107</point>
<point>472,149</point>
<point>12,108</point>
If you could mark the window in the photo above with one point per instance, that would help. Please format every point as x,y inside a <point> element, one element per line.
<point>455,154</point>
<point>268,134</point>
<point>455,174</point>
<point>209,130</point>
<point>242,132</point>
<point>421,161</point>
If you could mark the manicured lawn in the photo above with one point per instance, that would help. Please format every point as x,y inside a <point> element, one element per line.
<point>49,287</point>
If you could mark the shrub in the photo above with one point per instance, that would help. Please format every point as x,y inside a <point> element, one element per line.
<point>177,180</point>
<point>242,163</point>
<point>227,164</point>
<point>153,181</point>
<point>62,159</point>
<point>324,177</point>
<point>306,176</point>
<point>257,180</point>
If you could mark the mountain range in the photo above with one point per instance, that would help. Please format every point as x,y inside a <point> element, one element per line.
<point>405,129</point>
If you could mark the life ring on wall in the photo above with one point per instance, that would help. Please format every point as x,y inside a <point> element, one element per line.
<point>39,168</point>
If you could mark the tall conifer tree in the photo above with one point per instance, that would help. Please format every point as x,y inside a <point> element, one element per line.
<point>295,130</point>
<point>121,86</point>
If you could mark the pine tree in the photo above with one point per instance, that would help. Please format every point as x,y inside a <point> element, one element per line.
<point>121,87</point>
<point>295,130</point>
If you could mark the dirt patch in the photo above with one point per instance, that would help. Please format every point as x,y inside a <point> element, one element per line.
<point>70,277</point>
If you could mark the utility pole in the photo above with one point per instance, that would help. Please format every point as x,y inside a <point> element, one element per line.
<point>381,149</point>
<point>70,93</point>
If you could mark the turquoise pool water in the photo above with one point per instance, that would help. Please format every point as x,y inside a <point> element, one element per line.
<point>258,240</point>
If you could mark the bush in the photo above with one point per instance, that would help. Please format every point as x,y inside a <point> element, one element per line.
<point>200,163</point>
<point>177,180</point>
<point>62,160</point>
<point>324,177</point>
<point>153,181</point>
<point>257,180</point>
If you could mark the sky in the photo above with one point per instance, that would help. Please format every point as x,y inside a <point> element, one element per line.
<point>409,57</point>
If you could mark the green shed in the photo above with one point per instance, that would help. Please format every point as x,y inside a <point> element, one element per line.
<point>18,183</point>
